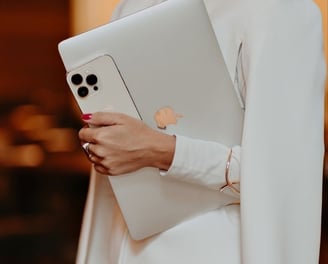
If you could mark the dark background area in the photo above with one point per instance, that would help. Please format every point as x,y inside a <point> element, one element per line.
<point>43,172</point>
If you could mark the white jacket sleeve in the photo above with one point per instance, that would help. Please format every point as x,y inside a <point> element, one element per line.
<point>282,155</point>
<point>203,162</point>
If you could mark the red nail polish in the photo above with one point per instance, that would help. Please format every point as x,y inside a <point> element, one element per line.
<point>86,116</point>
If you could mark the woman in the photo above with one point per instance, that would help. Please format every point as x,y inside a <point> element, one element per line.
<point>273,50</point>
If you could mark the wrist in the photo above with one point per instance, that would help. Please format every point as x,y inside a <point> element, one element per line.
<point>163,151</point>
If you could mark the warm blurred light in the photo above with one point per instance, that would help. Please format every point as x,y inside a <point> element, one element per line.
<point>37,122</point>
<point>5,142</point>
<point>60,140</point>
<point>25,156</point>
<point>21,113</point>
<point>87,14</point>
<point>29,118</point>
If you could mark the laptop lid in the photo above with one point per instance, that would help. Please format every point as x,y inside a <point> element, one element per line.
<point>163,57</point>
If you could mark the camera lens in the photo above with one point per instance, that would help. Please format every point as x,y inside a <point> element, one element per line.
<point>76,79</point>
<point>83,91</point>
<point>92,79</point>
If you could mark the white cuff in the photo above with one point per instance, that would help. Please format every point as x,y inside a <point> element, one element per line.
<point>202,162</point>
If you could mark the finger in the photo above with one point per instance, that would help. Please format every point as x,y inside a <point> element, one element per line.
<point>95,159</point>
<point>100,169</point>
<point>85,147</point>
<point>90,151</point>
<point>93,154</point>
<point>104,118</point>
<point>87,134</point>
<point>83,141</point>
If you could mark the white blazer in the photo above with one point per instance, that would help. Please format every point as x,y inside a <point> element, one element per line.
<point>274,53</point>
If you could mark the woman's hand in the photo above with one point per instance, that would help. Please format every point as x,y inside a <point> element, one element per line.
<point>121,144</point>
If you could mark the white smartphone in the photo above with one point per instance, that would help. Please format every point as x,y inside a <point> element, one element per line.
<point>98,86</point>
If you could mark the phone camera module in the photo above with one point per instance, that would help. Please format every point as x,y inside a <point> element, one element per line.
<point>83,91</point>
<point>92,79</point>
<point>77,79</point>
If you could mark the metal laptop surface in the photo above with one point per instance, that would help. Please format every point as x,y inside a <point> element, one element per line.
<point>167,56</point>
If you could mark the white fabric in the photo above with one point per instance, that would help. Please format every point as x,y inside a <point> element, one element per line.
<point>273,50</point>
<point>203,162</point>
<point>282,152</point>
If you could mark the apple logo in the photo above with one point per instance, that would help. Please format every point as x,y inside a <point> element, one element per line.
<point>166,116</point>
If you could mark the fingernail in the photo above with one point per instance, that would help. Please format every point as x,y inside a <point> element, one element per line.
<point>86,116</point>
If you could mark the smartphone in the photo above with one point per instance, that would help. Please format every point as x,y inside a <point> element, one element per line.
<point>98,86</point>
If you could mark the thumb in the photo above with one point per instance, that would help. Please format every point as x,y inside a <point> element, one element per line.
<point>102,118</point>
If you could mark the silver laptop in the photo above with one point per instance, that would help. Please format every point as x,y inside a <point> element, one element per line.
<point>163,60</point>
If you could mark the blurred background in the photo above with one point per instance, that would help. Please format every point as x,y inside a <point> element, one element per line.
<point>43,172</point>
